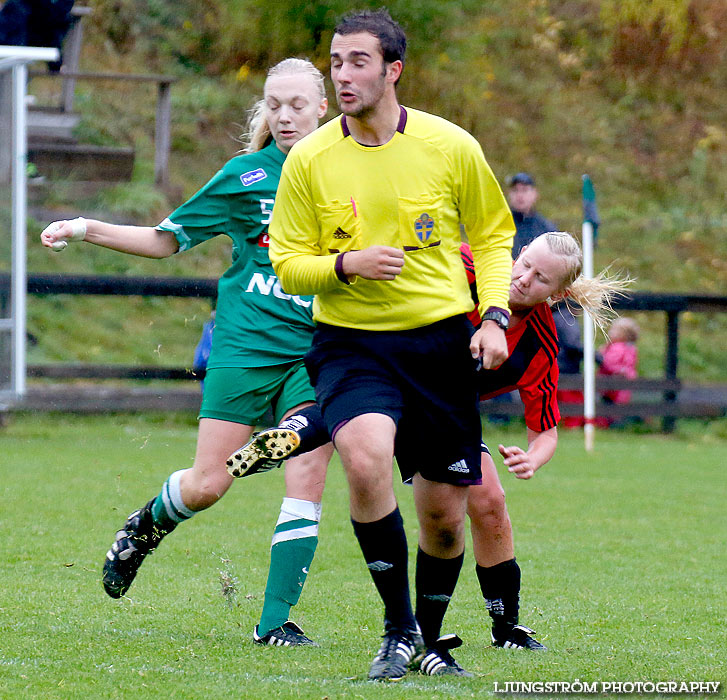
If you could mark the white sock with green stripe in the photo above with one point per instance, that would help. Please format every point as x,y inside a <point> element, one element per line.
<point>293,546</point>
<point>168,509</point>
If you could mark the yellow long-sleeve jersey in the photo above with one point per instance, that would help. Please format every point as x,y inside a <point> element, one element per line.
<point>412,193</point>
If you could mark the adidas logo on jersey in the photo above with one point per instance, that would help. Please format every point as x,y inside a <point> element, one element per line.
<point>340,233</point>
<point>460,466</point>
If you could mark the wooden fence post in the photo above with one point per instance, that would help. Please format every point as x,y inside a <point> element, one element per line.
<point>162,138</point>
<point>670,364</point>
<point>72,56</point>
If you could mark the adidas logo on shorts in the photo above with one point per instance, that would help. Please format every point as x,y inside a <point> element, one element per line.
<point>460,466</point>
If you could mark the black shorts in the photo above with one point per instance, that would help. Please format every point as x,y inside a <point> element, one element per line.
<point>423,378</point>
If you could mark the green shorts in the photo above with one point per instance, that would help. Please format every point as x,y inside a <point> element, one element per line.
<point>244,394</point>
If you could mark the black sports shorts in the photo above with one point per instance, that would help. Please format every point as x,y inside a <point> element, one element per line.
<point>423,378</point>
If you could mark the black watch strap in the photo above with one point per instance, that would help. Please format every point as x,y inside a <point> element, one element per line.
<point>500,317</point>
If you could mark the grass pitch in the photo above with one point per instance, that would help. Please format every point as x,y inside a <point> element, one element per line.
<point>622,553</point>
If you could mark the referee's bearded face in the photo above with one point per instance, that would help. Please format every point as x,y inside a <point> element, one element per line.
<point>293,106</point>
<point>358,72</point>
<point>537,274</point>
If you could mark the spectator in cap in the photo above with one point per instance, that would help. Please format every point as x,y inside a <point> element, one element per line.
<point>522,196</point>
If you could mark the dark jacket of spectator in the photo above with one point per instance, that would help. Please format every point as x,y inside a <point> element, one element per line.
<point>568,326</point>
<point>35,23</point>
<point>528,227</point>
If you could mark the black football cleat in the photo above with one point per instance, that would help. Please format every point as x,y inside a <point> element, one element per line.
<point>396,653</point>
<point>134,541</point>
<point>438,660</point>
<point>287,635</point>
<point>517,637</point>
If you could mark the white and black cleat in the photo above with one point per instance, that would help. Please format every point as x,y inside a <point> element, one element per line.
<point>287,635</point>
<point>397,654</point>
<point>438,660</point>
<point>517,637</point>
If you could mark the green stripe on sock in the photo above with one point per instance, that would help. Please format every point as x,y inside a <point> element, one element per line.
<point>160,515</point>
<point>294,524</point>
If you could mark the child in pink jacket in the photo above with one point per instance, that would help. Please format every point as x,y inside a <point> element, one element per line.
<point>620,356</point>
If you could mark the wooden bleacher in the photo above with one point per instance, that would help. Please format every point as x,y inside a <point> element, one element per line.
<point>52,146</point>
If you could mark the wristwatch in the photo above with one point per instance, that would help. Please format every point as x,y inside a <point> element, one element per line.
<point>499,317</point>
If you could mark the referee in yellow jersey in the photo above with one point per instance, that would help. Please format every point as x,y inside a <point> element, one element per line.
<point>368,218</point>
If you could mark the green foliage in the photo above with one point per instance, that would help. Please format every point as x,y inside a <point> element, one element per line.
<point>160,29</point>
<point>654,38</point>
<point>135,199</point>
<point>667,19</point>
<point>614,588</point>
<point>148,331</point>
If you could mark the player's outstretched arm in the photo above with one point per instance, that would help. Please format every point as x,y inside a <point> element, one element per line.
<point>541,447</point>
<point>145,241</point>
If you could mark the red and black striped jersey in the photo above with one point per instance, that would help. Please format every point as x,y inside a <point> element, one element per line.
<point>469,266</point>
<point>531,366</point>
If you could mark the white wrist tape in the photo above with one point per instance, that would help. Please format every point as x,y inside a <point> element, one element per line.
<point>78,228</point>
<point>78,233</point>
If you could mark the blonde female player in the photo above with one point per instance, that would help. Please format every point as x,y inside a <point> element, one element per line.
<point>547,270</point>
<point>260,338</point>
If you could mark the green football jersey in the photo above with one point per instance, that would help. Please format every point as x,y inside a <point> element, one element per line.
<point>257,323</point>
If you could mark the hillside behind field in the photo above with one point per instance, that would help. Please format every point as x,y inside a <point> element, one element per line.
<point>631,93</point>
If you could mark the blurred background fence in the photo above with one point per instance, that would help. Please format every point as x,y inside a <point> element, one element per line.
<point>80,387</point>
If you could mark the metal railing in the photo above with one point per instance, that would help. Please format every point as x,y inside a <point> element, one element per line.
<point>13,62</point>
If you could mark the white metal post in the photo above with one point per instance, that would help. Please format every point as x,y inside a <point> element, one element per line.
<point>19,226</point>
<point>589,354</point>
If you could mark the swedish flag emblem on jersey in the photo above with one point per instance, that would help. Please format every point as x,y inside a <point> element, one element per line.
<point>423,227</point>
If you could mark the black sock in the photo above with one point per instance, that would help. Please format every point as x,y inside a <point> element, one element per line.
<point>500,585</point>
<point>435,582</point>
<point>310,426</point>
<point>383,543</point>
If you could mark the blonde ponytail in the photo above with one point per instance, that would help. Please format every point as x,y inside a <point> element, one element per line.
<point>593,294</point>
<point>257,135</point>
